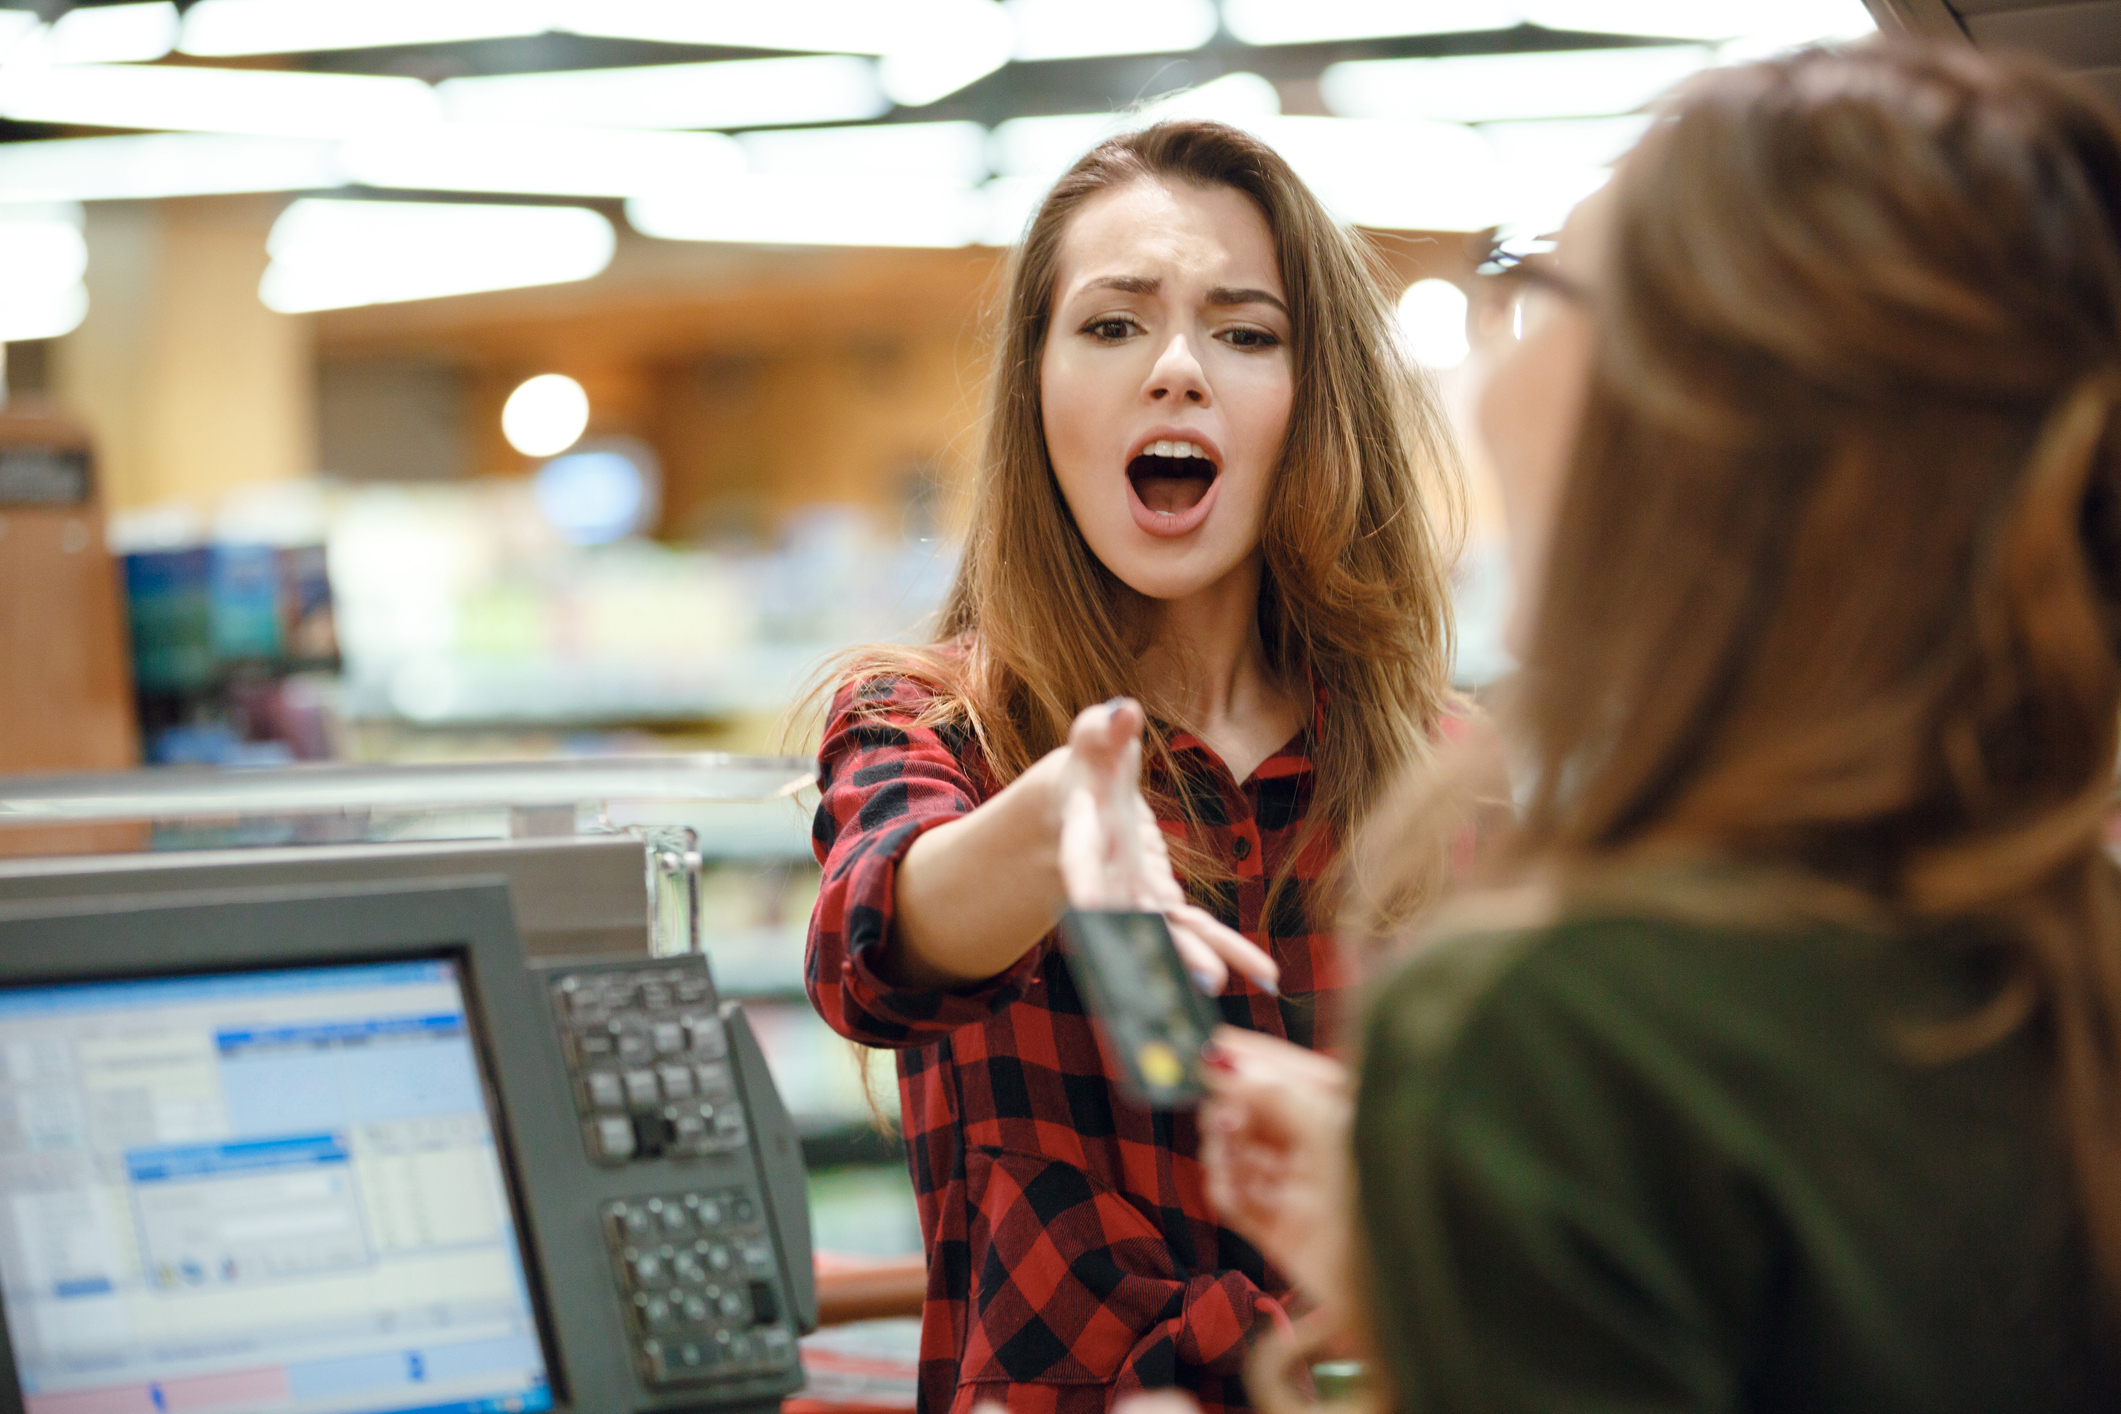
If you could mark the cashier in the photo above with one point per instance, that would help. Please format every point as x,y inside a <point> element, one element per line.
<point>1206,487</point>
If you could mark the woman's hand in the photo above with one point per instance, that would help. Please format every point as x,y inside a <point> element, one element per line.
<point>1112,851</point>
<point>1275,1143</point>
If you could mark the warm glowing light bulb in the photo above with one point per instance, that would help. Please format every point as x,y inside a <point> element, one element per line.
<point>546,415</point>
<point>1432,316</point>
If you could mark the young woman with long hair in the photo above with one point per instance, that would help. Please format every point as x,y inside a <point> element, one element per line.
<point>1780,1068</point>
<point>1211,487</point>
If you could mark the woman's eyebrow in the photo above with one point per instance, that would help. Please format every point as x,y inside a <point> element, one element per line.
<point>1126,284</point>
<point>1223,295</point>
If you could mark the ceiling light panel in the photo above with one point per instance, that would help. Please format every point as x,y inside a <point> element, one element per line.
<point>740,93</point>
<point>1077,29</point>
<point>1501,87</point>
<point>1565,142</point>
<point>801,26</point>
<point>945,152</point>
<point>329,254</point>
<point>768,210</point>
<point>197,99</point>
<point>114,34</point>
<point>226,27</point>
<point>1046,146</point>
<point>156,165</point>
<point>1323,21</point>
<point>545,161</point>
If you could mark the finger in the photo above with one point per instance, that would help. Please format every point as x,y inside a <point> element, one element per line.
<point>1207,969</point>
<point>1231,947</point>
<point>1256,1052</point>
<point>1082,852</point>
<point>1090,737</point>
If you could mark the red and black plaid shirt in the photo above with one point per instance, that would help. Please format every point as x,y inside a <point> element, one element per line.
<point>1072,1254</point>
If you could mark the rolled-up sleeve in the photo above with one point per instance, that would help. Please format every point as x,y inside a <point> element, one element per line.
<point>884,779</point>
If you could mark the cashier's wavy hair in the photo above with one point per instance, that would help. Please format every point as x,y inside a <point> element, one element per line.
<point>1836,577</point>
<point>1359,535</point>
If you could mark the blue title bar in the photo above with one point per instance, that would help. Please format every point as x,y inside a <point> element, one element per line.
<point>145,992</point>
<point>341,1033</point>
<point>249,1156</point>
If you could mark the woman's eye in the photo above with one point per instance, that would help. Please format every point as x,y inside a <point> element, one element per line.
<point>1109,330</point>
<point>1250,338</point>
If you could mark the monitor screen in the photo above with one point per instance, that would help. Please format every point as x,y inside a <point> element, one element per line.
<point>258,1191</point>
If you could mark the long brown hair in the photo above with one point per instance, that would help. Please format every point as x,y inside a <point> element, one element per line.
<point>1359,534</point>
<point>1836,578</point>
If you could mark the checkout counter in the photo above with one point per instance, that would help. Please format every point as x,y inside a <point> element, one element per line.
<point>441,1111</point>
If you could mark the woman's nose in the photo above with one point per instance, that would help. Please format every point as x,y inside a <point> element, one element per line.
<point>1178,377</point>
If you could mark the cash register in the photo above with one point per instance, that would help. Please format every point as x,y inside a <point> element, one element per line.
<point>323,1136</point>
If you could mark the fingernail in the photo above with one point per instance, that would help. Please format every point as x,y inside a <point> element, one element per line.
<point>1266,985</point>
<point>1214,1057</point>
<point>1205,981</point>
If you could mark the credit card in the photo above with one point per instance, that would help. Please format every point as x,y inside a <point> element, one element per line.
<point>1151,1016</point>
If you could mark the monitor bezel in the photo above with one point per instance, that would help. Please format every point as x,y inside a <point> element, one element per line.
<point>465,921</point>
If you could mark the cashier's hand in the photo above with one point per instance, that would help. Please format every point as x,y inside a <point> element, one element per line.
<point>1112,853</point>
<point>1274,1139</point>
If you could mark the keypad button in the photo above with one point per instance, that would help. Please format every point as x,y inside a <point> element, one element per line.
<point>634,1046</point>
<point>744,1209</point>
<point>646,1269</point>
<point>691,989</point>
<point>656,996</point>
<point>674,1217</point>
<point>718,1257</point>
<point>714,1080</point>
<point>669,1038</point>
<point>641,1089</point>
<point>710,1213</point>
<point>597,1045</point>
<point>705,1036</point>
<point>677,1081</point>
<point>605,1090</point>
<point>613,1139</point>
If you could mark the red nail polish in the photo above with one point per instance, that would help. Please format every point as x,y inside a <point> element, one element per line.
<point>1216,1058</point>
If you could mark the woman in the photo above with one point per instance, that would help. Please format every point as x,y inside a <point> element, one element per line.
<point>1203,489</point>
<point>1782,1069</point>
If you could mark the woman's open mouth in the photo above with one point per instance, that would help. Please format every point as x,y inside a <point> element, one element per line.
<point>1171,484</point>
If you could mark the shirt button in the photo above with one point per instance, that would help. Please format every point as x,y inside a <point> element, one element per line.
<point>1243,848</point>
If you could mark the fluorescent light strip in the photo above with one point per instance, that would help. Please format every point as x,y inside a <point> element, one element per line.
<point>156,165</point>
<point>945,152</point>
<point>1323,21</point>
<point>255,101</point>
<point>114,34</point>
<point>538,160</point>
<point>1565,142</point>
<point>1044,147</point>
<point>329,254</point>
<point>1501,87</point>
<point>818,211</point>
<point>872,27</point>
<point>1077,29</point>
<point>226,27</point>
<point>739,93</point>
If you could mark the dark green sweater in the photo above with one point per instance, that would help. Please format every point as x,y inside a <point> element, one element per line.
<point>1630,1164</point>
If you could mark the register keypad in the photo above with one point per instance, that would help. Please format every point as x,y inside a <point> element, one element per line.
<point>651,1062</point>
<point>702,1298</point>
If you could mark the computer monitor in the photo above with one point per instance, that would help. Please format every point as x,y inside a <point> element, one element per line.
<point>349,1151</point>
<point>269,1189</point>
